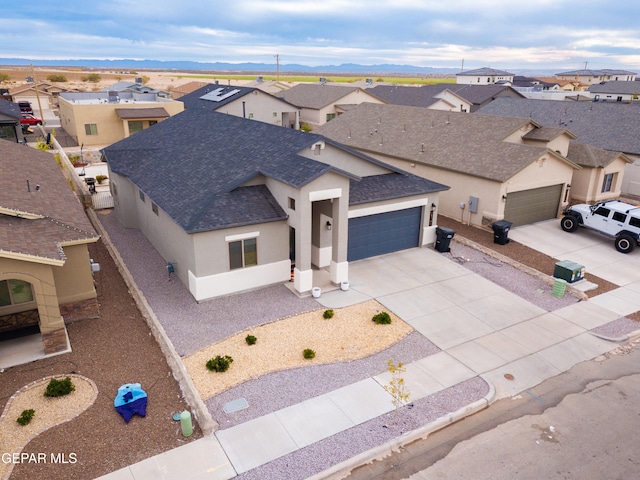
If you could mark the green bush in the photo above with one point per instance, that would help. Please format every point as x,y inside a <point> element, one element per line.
<point>26,416</point>
<point>219,363</point>
<point>308,353</point>
<point>57,77</point>
<point>100,178</point>
<point>59,388</point>
<point>250,339</point>
<point>382,318</point>
<point>92,77</point>
<point>328,314</point>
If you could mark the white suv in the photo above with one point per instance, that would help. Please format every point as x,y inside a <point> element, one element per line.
<point>612,218</point>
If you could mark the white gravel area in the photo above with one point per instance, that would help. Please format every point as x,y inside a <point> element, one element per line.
<point>510,278</point>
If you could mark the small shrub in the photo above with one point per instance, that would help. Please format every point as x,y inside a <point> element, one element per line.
<point>59,388</point>
<point>308,353</point>
<point>100,178</point>
<point>57,77</point>
<point>382,318</point>
<point>250,339</point>
<point>328,314</point>
<point>219,363</point>
<point>25,417</point>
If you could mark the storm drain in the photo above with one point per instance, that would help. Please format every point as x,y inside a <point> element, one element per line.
<point>235,405</point>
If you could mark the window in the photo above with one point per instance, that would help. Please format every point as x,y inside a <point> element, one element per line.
<point>330,116</point>
<point>152,122</point>
<point>13,292</point>
<point>602,211</point>
<point>90,129</point>
<point>243,253</point>
<point>292,203</point>
<point>141,193</point>
<point>619,99</point>
<point>134,127</point>
<point>607,183</point>
<point>619,217</point>
<point>154,208</point>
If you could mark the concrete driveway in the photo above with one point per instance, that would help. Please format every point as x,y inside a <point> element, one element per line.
<point>585,247</point>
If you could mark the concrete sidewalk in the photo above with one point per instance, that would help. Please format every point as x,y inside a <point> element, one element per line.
<point>481,328</point>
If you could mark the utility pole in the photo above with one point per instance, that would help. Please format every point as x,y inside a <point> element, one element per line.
<point>35,81</point>
<point>277,66</point>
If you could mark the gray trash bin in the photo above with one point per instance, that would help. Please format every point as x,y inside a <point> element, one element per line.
<point>443,239</point>
<point>501,232</point>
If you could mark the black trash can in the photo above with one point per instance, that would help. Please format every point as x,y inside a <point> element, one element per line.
<point>443,238</point>
<point>501,232</point>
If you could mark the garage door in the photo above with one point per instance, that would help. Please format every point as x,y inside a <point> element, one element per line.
<point>384,233</point>
<point>530,206</point>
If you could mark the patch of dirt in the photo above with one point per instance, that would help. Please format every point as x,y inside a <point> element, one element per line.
<point>519,252</point>
<point>115,349</point>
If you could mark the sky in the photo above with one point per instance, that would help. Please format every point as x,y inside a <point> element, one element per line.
<point>459,34</point>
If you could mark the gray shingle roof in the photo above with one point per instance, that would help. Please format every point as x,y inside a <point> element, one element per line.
<point>486,71</point>
<point>10,109</point>
<point>38,220</point>
<point>425,95</point>
<point>316,96</point>
<point>590,156</point>
<point>611,126</point>
<point>471,144</point>
<point>628,88</point>
<point>193,164</point>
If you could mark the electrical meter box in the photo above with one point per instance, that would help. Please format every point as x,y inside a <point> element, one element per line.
<point>569,271</point>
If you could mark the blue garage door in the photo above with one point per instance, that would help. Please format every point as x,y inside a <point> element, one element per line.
<point>384,233</point>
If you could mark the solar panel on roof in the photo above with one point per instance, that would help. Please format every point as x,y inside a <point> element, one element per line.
<point>217,95</point>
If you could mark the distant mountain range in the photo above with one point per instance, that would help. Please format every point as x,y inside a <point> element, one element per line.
<point>344,69</point>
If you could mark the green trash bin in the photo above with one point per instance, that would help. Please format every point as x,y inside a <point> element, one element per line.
<point>569,271</point>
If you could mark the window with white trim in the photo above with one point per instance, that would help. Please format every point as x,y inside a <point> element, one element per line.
<point>243,253</point>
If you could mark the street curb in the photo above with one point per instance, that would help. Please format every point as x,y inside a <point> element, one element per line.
<point>343,469</point>
<point>624,338</point>
<point>191,396</point>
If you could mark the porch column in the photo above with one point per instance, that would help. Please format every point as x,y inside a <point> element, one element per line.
<point>302,273</point>
<point>52,327</point>
<point>339,268</point>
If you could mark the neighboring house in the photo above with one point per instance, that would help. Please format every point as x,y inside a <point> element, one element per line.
<point>608,125</point>
<point>186,88</point>
<point>273,87</point>
<point>615,91</point>
<point>247,204</point>
<point>103,118</point>
<point>45,269</point>
<point>320,103</point>
<point>571,85</point>
<point>601,175</point>
<point>47,94</point>
<point>497,167</point>
<point>484,76</point>
<point>251,103</point>
<point>10,115</point>
<point>135,87</point>
<point>443,96</point>
<point>591,77</point>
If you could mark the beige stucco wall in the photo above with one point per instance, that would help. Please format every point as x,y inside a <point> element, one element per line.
<point>262,107</point>
<point>326,153</point>
<point>111,128</point>
<point>74,281</point>
<point>631,180</point>
<point>586,185</point>
<point>316,117</point>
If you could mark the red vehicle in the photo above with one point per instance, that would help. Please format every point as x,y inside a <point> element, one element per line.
<point>30,120</point>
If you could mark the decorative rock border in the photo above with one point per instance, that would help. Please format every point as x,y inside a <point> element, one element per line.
<point>18,445</point>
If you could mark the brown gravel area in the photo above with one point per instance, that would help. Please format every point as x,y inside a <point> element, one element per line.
<point>517,251</point>
<point>115,349</point>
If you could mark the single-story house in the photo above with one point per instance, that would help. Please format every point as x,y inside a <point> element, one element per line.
<point>608,125</point>
<point>251,103</point>
<point>45,270</point>
<point>103,118</point>
<point>444,96</point>
<point>181,90</point>
<point>320,103</point>
<point>591,77</point>
<point>46,96</point>
<point>483,76</point>
<point>135,87</point>
<point>246,204</point>
<point>497,167</point>
<point>615,91</point>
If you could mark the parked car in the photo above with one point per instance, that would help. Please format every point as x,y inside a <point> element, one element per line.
<point>30,120</point>
<point>613,218</point>
<point>25,107</point>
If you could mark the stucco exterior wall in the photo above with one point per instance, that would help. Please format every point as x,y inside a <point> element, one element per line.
<point>262,107</point>
<point>110,127</point>
<point>631,181</point>
<point>74,281</point>
<point>327,153</point>
<point>586,185</point>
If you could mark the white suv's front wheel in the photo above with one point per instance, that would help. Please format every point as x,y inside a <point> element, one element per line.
<point>569,223</point>
<point>625,243</point>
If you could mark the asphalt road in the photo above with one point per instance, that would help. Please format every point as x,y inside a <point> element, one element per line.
<point>583,424</point>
